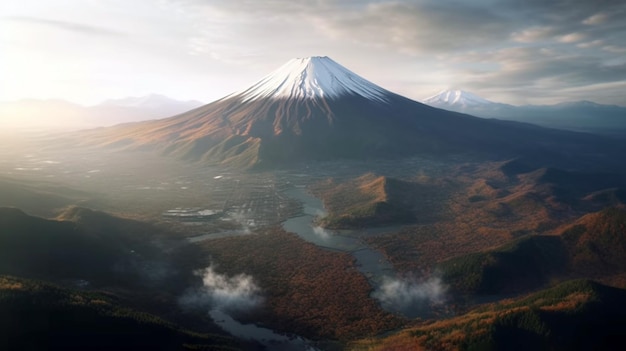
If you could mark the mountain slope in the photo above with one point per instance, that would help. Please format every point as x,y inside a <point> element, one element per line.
<point>593,247</point>
<point>41,316</point>
<point>315,109</point>
<point>38,198</point>
<point>575,315</point>
<point>81,245</point>
<point>597,243</point>
<point>372,200</point>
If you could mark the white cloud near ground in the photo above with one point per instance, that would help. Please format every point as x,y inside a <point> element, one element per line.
<point>223,292</point>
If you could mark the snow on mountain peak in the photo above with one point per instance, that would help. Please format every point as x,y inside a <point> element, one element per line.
<point>456,97</point>
<point>312,77</point>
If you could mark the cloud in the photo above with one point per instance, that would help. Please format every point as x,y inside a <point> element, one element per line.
<point>448,42</point>
<point>219,291</point>
<point>596,19</point>
<point>64,25</point>
<point>214,47</point>
<point>403,294</point>
<point>614,49</point>
<point>532,34</point>
<point>590,44</point>
<point>416,28</point>
<point>572,38</point>
<point>321,232</point>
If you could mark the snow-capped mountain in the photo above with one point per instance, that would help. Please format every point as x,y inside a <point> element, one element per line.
<point>578,115</point>
<point>312,77</point>
<point>456,98</point>
<point>315,109</point>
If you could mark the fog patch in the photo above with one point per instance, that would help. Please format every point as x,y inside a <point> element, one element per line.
<point>321,232</point>
<point>320,213</point>
<point>241,218</point>
<point>409,295</point>
<point>222,292</point>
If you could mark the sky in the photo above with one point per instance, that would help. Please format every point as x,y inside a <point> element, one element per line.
<point>511,51</point>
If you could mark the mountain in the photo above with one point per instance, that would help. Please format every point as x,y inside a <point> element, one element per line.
<point>56,115</point>
<point>153,102</point>
<point>33,114</point>
<point>315,109</point>
<point>459,99</point>
<point>584,116</point>
<point>133,109</point>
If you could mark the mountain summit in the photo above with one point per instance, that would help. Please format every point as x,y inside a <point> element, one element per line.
<point>313,109</point>
<point>312,77</point>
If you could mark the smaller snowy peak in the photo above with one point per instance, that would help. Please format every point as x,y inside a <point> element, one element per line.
<point>458,98</point>
<point>313,77</point>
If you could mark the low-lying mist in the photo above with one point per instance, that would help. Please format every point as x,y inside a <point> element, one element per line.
<point>321,232</point>
<point>410,293</point>
<point>222,292</point>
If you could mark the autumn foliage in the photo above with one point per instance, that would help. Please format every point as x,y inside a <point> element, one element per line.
<point>308,290</point>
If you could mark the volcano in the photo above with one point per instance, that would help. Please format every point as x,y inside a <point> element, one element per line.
<point>313,109</point>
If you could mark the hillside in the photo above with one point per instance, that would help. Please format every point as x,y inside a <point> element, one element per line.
<point>596,243</point>
<point>372,200</point>
<point>38,198</point>
<point>524,265</point>
<point>40,316</point>
<point>593,247</point>
<point>575,315</point>
<point>486,206</point>
<point>81,245</point>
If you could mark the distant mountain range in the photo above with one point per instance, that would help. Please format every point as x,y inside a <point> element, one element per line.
<point>577,116</point>
<point>33,114</point>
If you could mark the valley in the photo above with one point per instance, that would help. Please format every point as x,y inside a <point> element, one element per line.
<point>274,227</point>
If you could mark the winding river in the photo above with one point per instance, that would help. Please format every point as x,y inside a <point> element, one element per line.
<point>369,262</point>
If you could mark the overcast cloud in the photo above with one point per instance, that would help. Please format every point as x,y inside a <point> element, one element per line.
<point>511,51</point>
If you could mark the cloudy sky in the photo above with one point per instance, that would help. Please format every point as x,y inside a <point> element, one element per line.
<point>513,51</point>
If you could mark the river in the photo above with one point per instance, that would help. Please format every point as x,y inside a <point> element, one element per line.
<point>370,262</point>
<point>267,337</point>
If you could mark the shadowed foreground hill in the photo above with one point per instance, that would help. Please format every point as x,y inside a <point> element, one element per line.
<point>487,207</point>
<point>38,198</point>
<point>41,316</point>
<point>597,243</point>
<point>576,315</point>
<point>82,244</point>
<point>592,247</point>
